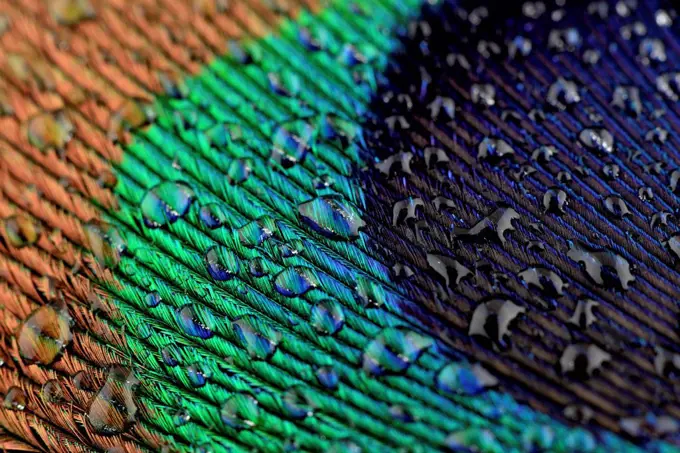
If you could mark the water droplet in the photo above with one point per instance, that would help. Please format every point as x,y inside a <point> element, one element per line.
<point>240,411</point>
<point>49,130</point>
<point>583,314</point>
<point>296,403</point>
<point>494,150</point>
<point>15,399</point>
<point>578,413</point>
<point>597,139</point>
<point>45,334</point>
<point>292,143</point>
<point>652,50</point>
<point>616,206</point>
<point>369,293</point>
<point>153,299</point>
<point>71,12</point>
<point>332,217</point>
<point>483,94</point>
<point>222,263</point>
<point>113,409</point>
<point>519,46</point>
<point>171,355</point>
<point>564,40</point>
<point>198,374</point>
<point>650,426</point>
<point>238,171</point>
<point>258,267</point>
<point>327,317</point>
<point>105,243</point>
<point>673,246</point>
<point>196,320</point>
<point>645,193</point>
<point>538,438</point>
<point>52,392</point>
<point>254,233</point>
<point>493,319</point>
<point>493,227</point>
<point>181,417</point>
<point>166,202</point>
<point>213,215</point>
<point>258,338</point>
<point>327,377</point>
<point>657,135</point>
<point>611,171</point>
<point>627,98</point>
<point>295,281</point>
<point>562,94</point>
<point>84,381</point>
<point>582,360</point>
<point>555,200</point>
<point>21,230</point>
<point>463,379</point>
<point>450,270</point>
<point>669,85</point>
<point>409,206</point>
<point>543,154</point>
<point>604,267</point>
<point>393,350</point>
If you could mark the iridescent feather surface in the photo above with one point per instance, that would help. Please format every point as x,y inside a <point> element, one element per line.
<point>339,226</point>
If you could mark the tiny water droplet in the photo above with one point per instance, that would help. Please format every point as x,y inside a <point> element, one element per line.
<point>296,403</point>
<point>597,139</point>
<point>49,130</point>
<point>555,200</point>
<point>464,379</point>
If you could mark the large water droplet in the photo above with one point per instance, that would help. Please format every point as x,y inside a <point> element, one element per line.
<point>405,210</point>
<point>166,202</point>
<point>393,350</point>
<point>673,246</point>
<point>258,338</point>
<point>240,411</point>
<point>45,334</point>
<point>113,409</point>
<point>332,217</point>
